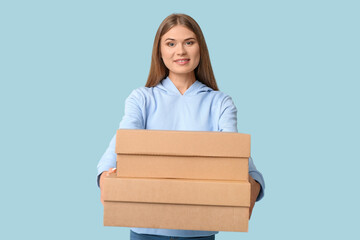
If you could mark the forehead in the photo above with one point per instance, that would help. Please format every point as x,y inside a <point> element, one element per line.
<point>179,32</point>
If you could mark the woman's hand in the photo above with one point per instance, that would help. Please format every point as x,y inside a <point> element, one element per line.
<point>103,175</point>
<point>254,192</point>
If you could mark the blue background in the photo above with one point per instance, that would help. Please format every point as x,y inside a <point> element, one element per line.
<point>291,67</point>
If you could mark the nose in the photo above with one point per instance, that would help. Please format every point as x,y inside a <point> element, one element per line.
<point>180,50</point>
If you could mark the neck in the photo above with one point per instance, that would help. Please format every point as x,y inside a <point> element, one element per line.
<point>182,81</point>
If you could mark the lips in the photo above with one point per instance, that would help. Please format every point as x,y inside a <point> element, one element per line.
<point>182,61</point>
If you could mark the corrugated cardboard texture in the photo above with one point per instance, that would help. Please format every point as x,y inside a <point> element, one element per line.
<point>177,191</point>
<point>151,166</point>
<point>182,143</point>
<point>176,216</point>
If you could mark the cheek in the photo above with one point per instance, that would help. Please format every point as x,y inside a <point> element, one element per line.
<point>197,54</point>
<point>165,53</point>
<point>166,58</point>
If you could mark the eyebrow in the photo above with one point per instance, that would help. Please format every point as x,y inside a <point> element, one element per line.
<point>171,39</point>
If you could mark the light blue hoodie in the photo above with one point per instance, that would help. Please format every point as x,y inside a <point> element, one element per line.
<point>163,107</point>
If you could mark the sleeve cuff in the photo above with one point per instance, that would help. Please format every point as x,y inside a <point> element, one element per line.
<point>98,179</point>
<point>259,178</point>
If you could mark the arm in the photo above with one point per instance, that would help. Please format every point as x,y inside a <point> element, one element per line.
<point>228,116</point>
<point>257,185</point>
<point>108,160</point>
<point>228,123</point>
<point>133,119</point>
<point>257,176</point>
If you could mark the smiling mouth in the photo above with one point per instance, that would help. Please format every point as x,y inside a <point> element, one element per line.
<point>182,61</point>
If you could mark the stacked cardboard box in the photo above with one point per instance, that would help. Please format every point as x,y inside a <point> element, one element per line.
<point>179,180</point>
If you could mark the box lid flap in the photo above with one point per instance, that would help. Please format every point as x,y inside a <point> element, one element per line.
<point>182,143</point>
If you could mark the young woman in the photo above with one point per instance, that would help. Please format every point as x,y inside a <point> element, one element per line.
<point>180,94</point>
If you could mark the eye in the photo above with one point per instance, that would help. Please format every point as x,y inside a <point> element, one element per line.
<point>171,44</point>
<point>189,43</point>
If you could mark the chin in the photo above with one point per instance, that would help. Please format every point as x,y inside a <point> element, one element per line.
<point>183,71</point>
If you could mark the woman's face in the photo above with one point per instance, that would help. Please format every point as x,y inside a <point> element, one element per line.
<point>180,50</point>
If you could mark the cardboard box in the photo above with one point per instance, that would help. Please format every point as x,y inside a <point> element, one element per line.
<point>189,180</point>
<point>175,216</point>
<point>176,203</point>
<point>183,167</point>
<point>177,191</point>
<point>182,154</point>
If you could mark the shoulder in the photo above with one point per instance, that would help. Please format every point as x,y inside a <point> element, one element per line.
<point>141,91</point>
<point>221,97</point>
<point>215,94</point>
<point>224,101</point>
<point>140,94</point>
<point>219,94</point>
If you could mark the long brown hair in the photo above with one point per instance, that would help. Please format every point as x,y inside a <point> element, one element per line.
<point>158,70</point>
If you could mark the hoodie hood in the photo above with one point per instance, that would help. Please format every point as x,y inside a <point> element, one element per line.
<point>196,88</point>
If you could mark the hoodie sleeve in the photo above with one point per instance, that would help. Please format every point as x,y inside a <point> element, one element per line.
<point>257,176</point>
<point>134,113</point>
<point>228,116</point>
<point>228,123</point>
<point>133,119</point>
